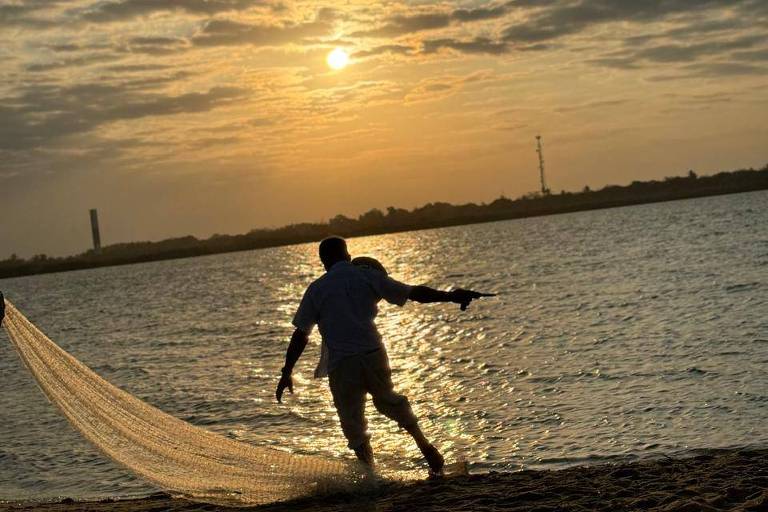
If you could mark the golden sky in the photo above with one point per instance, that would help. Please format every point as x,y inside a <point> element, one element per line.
<point>178,117</point>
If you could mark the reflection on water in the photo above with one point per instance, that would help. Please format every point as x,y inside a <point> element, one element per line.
<point>625,332</point>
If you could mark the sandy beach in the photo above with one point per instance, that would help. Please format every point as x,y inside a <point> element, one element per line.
<point>716,480</point>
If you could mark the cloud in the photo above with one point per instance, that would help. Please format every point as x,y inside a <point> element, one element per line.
<point>399,25</point>
<point>27,13</point>
<point>137,68</point>
<point>228,33</point>
<point>592,105</point>
<point>42,114</point>
<point>688,53</point>
<point>404,24</point>
<point>399,49</point>
<point>122,10</point>
<point>626,63</point>
<point>156,45</point>
<point>478,45</point>
<point>716,97</point>
<point>210,142</point>
<point>635,58</point>
<point>571,18</point>
<point>145,83</point>
<point>690,29</point>
<point>441,87</point>
<point>751,55</point>
<point>480,13</point>
<point>712,70</point>
<point>155,41</point>
<point>718,69</point>
<point>545,21</point>
<point>82,60</point>
<point>65,48</point>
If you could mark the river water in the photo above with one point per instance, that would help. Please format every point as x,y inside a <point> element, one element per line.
<point>617,334</point>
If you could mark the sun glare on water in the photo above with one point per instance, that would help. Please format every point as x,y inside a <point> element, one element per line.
<point>337,59</point>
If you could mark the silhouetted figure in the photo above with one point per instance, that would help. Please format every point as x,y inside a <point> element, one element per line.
<point>2,307</point>
<point>342,303</point>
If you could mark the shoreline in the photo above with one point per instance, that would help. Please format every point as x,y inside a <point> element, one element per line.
<point>73,263</point>
<point>713,480</point>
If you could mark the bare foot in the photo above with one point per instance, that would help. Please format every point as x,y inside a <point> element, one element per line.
<point>434,459</point>
<point>365,454</point>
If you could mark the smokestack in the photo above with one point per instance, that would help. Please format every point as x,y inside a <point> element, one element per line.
<point>540,151</point>
<point>95,231</point>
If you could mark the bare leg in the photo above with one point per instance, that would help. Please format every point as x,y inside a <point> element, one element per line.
<point>396,407</point>
<point>433,456</point>
<point>364,453</point>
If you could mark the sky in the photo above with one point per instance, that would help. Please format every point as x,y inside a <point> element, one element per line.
<point>177,117</point>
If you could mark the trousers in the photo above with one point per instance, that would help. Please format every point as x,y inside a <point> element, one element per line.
<point>355,377</point>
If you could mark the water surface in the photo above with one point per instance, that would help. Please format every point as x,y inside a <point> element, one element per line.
<point>617,333</point>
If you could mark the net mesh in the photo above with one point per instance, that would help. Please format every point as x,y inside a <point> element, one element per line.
<point>185,460</point>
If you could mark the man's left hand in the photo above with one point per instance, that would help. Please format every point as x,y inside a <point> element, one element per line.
<point>465,297</point>
<point>286,381</point>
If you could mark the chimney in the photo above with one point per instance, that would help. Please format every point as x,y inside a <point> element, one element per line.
<point>95,231</point>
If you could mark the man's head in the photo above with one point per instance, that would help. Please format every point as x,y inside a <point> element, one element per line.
<point>333,250</point>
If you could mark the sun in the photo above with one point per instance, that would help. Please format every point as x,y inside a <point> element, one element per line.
<point>337,59</point>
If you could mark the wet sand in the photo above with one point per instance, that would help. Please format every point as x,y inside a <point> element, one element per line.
<point>716,480</point>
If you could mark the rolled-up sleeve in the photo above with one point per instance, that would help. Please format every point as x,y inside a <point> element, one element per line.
<point>391,290</point>
<point>306,316</point>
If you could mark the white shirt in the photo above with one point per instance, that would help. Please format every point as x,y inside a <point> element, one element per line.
<point>343,303</point>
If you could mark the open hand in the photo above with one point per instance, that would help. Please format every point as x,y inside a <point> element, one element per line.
<point>465,297</point>
<point>286,381</point>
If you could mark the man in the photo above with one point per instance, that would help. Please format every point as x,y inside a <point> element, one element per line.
<point>342,303</point>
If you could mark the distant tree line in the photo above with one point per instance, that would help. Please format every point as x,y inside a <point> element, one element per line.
<point>397,219</point>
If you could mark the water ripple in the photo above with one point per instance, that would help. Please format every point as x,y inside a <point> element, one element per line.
<point>616,334</point>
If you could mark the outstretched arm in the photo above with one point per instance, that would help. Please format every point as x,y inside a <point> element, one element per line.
<point>295,348</point>
<point>425,294</point>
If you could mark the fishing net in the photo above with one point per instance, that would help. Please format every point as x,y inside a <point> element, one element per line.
<point>185,460</point>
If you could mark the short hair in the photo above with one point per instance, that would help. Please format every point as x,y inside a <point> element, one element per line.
<point>333,249</point>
